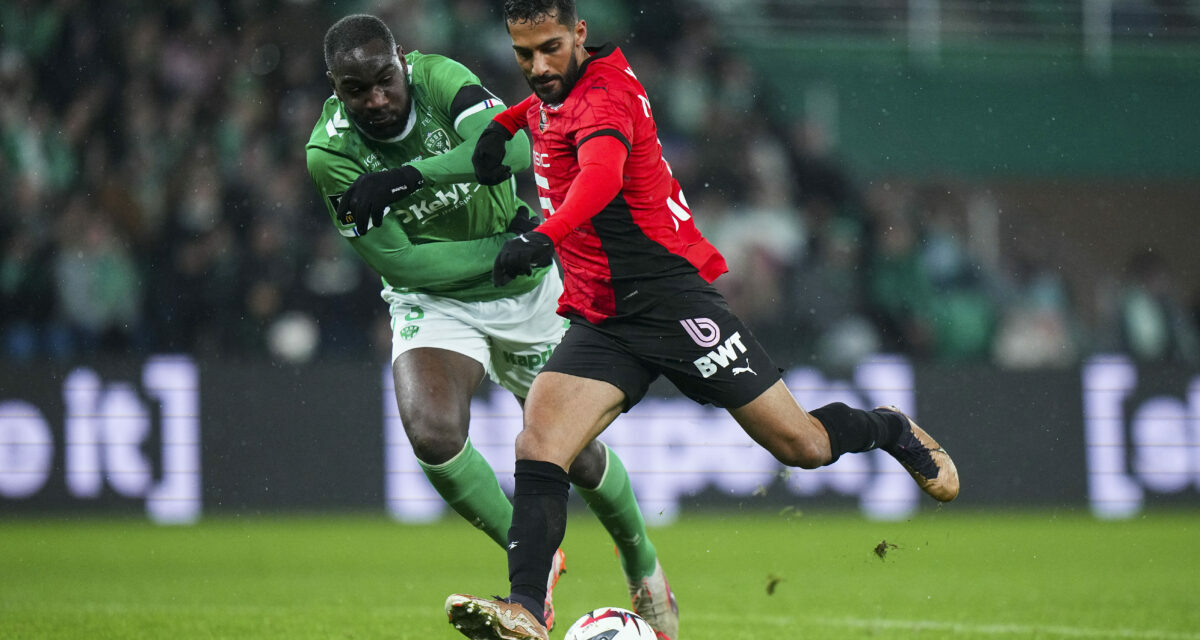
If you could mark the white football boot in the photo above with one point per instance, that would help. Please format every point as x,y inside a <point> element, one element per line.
<point>654,601</point>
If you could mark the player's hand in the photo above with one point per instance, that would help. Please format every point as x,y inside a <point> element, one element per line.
<point>489,155</point>
<point>519,256</point>
<point>364,202</point>
<point>522,222</point>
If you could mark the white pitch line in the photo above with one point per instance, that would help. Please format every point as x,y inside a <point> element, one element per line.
<point>967,629</point>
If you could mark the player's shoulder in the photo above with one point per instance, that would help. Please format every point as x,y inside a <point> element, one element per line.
<point>608,79</point>
<point>428,68</point>
<point>333,138</point>
<point>332,126</point>
<point>607,64</point>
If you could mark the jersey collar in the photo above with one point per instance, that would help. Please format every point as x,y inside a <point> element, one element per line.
<point>602,51</point>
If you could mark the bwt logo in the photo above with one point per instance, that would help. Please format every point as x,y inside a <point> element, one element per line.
<point>706,333</point>
<point>106,435</point>
<point>1151,447</point>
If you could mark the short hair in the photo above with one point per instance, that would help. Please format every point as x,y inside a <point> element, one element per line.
<point>535,11</point>
<point>354,31</point>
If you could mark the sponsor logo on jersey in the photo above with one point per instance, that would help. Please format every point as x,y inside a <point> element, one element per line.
<point>722,356</point>
<point>702,331</point>
<point>438,202</point>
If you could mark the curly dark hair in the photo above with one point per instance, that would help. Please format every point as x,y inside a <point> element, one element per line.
<point>354,31</point>
<point>536,11</point>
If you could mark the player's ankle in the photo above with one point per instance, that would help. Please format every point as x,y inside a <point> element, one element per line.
<point>532,603</point>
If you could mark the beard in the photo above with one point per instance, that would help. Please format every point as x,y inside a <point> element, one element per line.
<point>558,93</point>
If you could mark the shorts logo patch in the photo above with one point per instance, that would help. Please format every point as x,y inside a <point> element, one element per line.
<point>702,331</point>
<point>528,361</point>
<point>745,369</point>
<point>409,331</point>
<point>722,357</point>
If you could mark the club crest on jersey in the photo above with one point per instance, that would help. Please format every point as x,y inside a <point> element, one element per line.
<point>437,142</point>
<point>408,332</point>
<point>542,118</point>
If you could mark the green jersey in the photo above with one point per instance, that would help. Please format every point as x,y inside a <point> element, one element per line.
<point>443,238</point>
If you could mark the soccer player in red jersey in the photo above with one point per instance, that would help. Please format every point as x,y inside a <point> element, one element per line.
<point>637,292</point>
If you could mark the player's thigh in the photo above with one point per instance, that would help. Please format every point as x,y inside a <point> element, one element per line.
<point>591,352</point>
<point>777,422</point>
<point>564,413</point>
<point>705,350</point>
<point>438,358</point>
<point>436,383</point>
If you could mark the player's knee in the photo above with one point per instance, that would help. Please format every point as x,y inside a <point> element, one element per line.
<point>530,445</point>
<point>805,453</point>
<point>434,439</point>
<point>535,444</point>
<point>436,448</point>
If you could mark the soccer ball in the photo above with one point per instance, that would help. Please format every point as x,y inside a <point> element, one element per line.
<point>610,623</point>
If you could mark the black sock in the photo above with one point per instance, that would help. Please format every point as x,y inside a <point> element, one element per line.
<point>854,430</point>
<point>538,526</point>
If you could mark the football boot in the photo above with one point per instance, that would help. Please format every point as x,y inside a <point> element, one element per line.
<point>925,460</point>
<point>558,566</point>
<point>654,601</point>
<point>499,619</point>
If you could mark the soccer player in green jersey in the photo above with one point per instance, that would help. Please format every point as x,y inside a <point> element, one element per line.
<point>391,156</point>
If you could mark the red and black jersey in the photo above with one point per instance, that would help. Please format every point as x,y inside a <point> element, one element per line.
<point>641,246</point>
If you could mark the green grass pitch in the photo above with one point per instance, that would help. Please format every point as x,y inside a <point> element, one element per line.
<point>737,575</point>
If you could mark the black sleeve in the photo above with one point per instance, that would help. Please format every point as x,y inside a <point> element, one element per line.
<point>468,97</point>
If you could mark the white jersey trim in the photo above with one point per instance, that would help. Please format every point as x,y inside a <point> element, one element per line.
<point>476,108</point>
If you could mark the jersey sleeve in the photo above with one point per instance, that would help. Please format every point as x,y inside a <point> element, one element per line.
<point>515,117</point>
<point>388,249</point>
<point>333,173</point>
<point>601,170</point>
<point>455,165</point>
<point>453,89</point>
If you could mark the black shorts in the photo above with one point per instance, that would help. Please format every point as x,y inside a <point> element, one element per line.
<point>692,339</point>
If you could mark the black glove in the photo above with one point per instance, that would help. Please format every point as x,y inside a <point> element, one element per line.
<point>371,193</point>
<point>519,256</point>
<point>522,223</point>
<point>489,153</point>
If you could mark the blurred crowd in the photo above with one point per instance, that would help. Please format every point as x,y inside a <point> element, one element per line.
<point>152,157</point>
